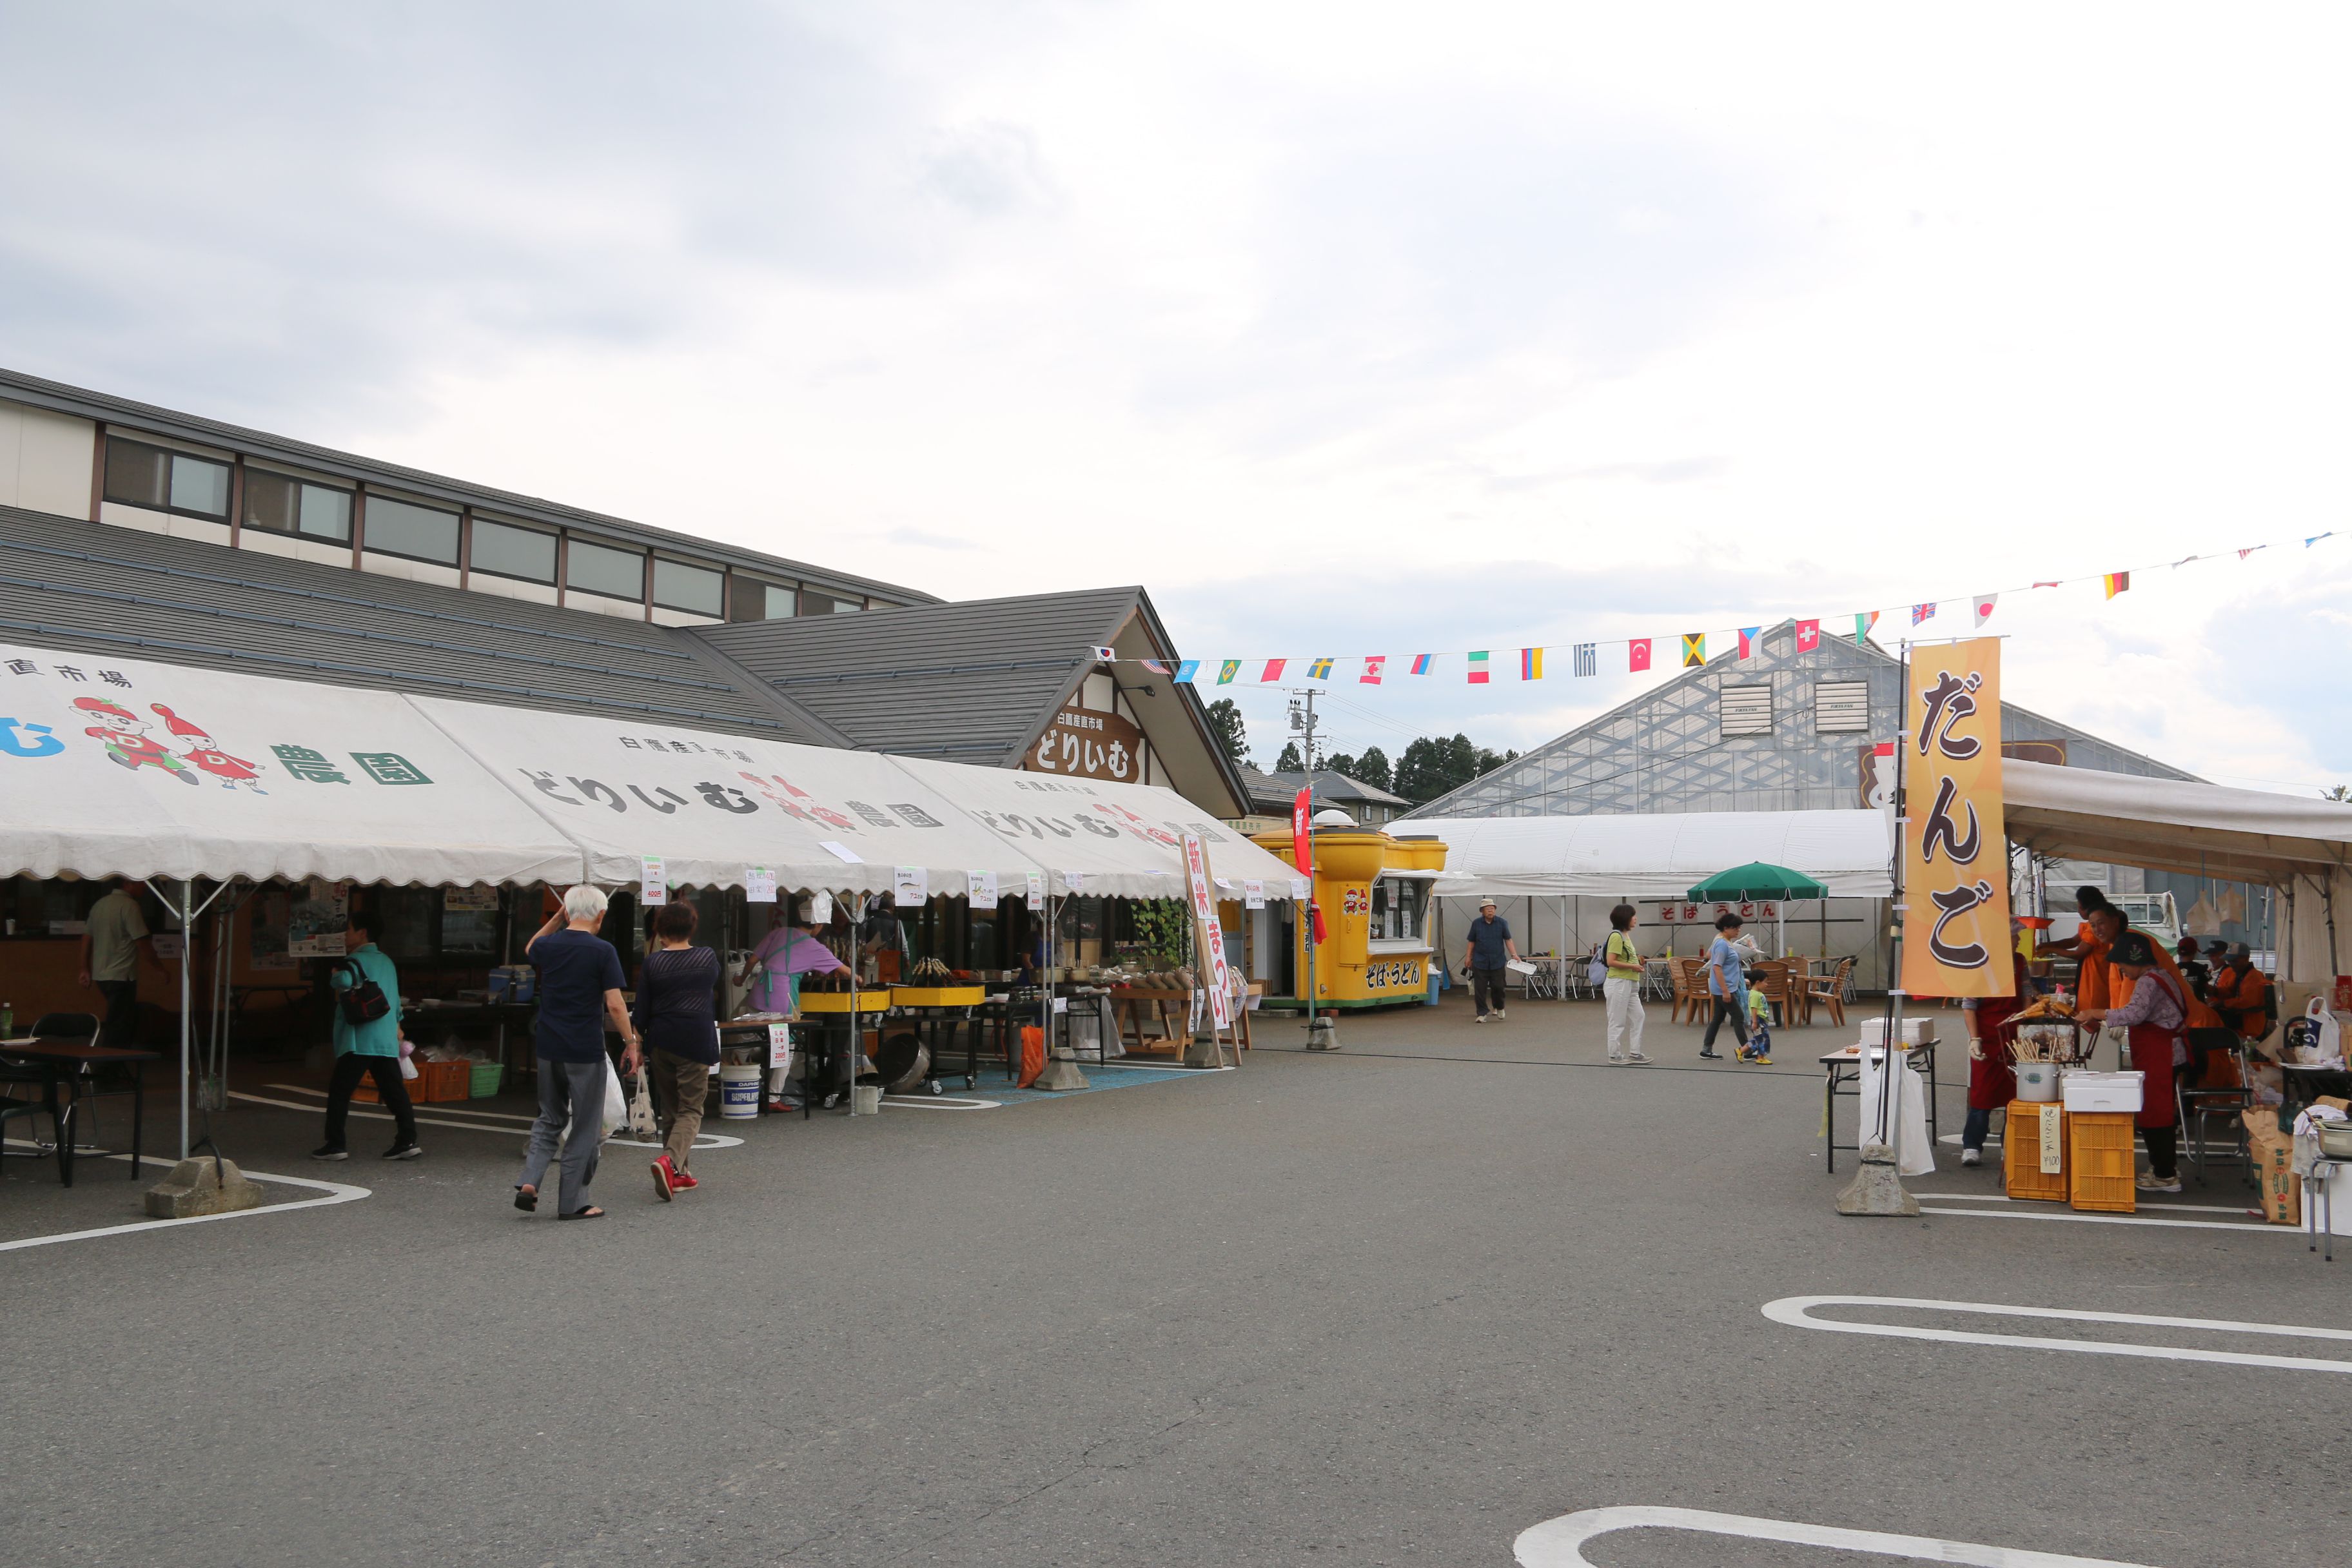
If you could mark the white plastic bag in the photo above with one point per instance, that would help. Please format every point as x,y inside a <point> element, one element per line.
<point>2326,1037</point>
<point>642,1123</point>
<point>616,1107</point>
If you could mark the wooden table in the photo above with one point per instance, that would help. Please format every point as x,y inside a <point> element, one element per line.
<point>56,1059</point>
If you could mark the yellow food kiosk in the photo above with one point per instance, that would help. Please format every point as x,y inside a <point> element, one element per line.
<point>1374,892</point>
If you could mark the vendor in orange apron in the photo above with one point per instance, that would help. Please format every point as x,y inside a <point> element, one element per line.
<point>2155,1017</point>
<point>1993,1080</point>
<point>2099,991</point>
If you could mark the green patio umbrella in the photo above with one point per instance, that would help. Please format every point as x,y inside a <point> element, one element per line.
<point>1760,879</point>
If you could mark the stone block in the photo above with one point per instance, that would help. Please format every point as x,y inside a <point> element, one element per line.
<point>202,1186</point>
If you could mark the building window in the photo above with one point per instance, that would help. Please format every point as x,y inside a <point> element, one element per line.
<point>758,601</point>
<point>600,569</point>
<point>503,549</point>
<point>145,476</point>
<point>698,590</point>
<point>1747,710</point>
<point>1398,904</point>
<point>412,532</point>
<point>816,604</point>
<point>1841,708</point>
<point>276,503</point>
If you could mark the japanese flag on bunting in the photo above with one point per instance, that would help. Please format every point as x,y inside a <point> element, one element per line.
<point>1809,636</point>
<point>1373,667</point>
<point>1637,654</point>
<point>1984,602</point>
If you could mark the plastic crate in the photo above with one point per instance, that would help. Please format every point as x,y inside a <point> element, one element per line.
<point>2021,1149</point>
<point>438,1081</point>
<point>489,1077</point>
<point>2101,1172</point>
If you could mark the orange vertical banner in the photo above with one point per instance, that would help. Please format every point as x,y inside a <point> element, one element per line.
<point>1956,939</point>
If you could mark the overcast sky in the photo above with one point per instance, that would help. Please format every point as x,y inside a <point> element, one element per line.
<point>1347,329</point>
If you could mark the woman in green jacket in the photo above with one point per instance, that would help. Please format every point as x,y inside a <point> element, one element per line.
<point>372,1047</point>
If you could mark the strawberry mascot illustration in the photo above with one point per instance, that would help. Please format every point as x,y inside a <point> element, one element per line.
<point>127,742</point>
<point>206,752</point>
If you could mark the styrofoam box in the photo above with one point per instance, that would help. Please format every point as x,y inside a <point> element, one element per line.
<point>1916,1031</point>
<point>2100,1091</point>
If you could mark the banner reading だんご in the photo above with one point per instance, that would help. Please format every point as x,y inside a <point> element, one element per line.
<point>1955,839</point>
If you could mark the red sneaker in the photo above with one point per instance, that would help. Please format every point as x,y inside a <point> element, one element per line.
<point>665,1179</point>
<point>683,1182</point>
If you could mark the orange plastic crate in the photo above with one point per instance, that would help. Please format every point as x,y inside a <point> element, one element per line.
<point>438,1081</point>
<point>2021,1149</point>
<point>2101,1172</point>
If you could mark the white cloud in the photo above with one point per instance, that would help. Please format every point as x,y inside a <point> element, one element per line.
<point>1344,328</point>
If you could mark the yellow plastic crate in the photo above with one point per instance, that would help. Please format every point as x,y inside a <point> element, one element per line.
<point>2102,1172</point>
<point>2020,1149</point>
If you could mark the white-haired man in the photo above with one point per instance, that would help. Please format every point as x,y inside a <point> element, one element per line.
<point>580,985</point>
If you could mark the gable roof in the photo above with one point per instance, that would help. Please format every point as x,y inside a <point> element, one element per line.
<point>1624,743</point>
<point>97,589</point>
<point>979,680</point>
<point>1330,788</point>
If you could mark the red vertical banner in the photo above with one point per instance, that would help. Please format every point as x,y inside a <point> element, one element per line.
<point>1955,894</point>
<point>1214,975</point>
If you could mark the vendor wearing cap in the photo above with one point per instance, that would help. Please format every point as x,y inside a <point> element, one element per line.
<point>2155,1014</point>
<point>2240,994</point>
<point>1488,948</point>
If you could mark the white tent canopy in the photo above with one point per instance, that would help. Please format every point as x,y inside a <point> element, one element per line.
<point>711,805</point>
<point>1101,837</point>
<point>1653,857</point>
<point>112,766</point>
<point>2303,846</point>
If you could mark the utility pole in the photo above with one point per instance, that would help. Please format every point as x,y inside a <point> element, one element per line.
<point>1321,1033</point>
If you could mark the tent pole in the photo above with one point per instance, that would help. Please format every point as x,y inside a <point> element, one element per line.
<point>187,940</point>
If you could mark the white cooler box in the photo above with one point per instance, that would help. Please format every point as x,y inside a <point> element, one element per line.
<point>2100,1092</point>
<point>1917,1030</point>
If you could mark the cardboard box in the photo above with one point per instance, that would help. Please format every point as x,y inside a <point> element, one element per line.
<point>2273,1155</point>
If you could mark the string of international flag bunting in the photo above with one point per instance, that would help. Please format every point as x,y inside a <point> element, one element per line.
<point>1584,657</point>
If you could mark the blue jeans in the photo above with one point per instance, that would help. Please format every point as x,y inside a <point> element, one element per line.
<point>1972,1134</point>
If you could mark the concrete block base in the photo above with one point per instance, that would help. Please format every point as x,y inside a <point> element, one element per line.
<point>199,1186</point>
<point>1878,1188</point>
<point>1060,1073</point>
<point>1323,1035</point>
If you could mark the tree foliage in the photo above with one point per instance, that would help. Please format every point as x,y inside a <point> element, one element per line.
<point>1225,724</point>
<point>1373,768</point>
<point>1434,764</point>
<point>1290,762</point>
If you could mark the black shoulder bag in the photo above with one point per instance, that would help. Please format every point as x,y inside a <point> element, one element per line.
<point>364,1001</point>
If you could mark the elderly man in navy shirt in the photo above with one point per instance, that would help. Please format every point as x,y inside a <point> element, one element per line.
<point>1487,950</point>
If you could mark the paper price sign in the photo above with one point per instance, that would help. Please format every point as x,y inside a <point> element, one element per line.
<point>820,910</point>
<point>1074,881</point>
<point>759,885</point>
<point>909,885</point>
<point>981,887</point>
<point>653,884</point>
<point>1035,897</point>
<point>1253,895</point>
<point>779,1046</point>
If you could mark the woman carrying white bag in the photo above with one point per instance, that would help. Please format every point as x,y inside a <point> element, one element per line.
<point>579,983</point>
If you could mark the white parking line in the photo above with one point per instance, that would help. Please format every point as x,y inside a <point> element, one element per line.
<point>1556,1543</point>
<point>336,1193</point>
<point>2005,1198</point>
<point>702,1141</point>
<point>2072,1217</point>
<point>1796,1313</point>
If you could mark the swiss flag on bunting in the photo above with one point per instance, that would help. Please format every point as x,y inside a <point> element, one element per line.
<point>1809,636</point>
<point>1637,654</point>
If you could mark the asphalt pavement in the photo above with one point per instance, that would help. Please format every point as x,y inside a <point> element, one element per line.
<point>1394,1305</point>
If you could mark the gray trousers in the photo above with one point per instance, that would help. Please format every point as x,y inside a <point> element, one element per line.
<point>572,1092</point>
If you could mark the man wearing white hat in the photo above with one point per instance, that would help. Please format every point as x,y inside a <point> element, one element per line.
<point>1486,949</point>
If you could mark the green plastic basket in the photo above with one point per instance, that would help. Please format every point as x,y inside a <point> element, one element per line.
<point>489,1077</point>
